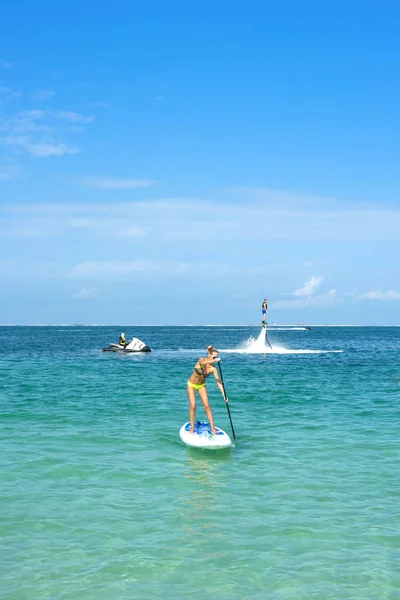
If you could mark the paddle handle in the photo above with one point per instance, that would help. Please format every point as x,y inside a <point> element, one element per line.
<point>226,400</point>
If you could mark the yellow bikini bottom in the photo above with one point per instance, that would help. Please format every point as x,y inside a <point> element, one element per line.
<point>196,386</point>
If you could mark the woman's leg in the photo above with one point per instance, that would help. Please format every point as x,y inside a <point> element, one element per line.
<point>204,398</point>
<point>192,403</point>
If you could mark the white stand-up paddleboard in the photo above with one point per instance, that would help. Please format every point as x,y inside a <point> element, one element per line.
<point>203,438</point>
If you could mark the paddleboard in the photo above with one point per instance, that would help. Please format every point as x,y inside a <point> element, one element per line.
<point>203,438</point>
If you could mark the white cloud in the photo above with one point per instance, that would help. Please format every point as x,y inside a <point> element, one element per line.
<point>79,223</point>
<point>7,94</point>
<point>263,270</point>
<point>105,105</point>
<point>42,149</point>
<point>308,264</point>
<point>132,232</point>
<point>296,216</point>
<point>114,270</point>
<point>309,287</point>
<point>203,268</point>
<point>25,116</point>
<point>5,175</point>
<point>85,294</point>
<point>110,269</point>
<point>28,270</point>
<point>306,296</point>
<point>4,64</point>
<point>74,117</point>
<point>8,172</point>
<point>31,230</point>
<point>378,295</point>
<point>110,183</point>
<point>42,94</point>
<point>39,132</point>
<point>173,219</point>
<point>321,300</point>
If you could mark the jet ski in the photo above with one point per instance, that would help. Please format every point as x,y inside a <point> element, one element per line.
<point>135,345</point>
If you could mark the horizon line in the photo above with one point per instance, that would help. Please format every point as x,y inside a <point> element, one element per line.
<point>189,325</point>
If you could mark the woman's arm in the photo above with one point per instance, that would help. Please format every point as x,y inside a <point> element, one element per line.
<point>208,361</point>
<point>219,382</point>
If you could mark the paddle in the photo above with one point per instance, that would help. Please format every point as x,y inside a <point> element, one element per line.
<point>226,400</point>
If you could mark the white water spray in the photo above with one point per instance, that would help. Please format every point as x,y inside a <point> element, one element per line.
<point>260,346</point>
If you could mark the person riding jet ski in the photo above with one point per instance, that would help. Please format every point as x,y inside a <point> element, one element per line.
<point>122,340</point>
<point>133,345</point>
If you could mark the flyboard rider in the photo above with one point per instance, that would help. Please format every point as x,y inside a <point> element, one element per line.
<point>264,309</point>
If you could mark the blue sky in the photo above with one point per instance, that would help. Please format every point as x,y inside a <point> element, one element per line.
<point>177,162</point>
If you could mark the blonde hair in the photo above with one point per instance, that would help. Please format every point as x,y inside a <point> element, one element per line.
<point>212,350</point>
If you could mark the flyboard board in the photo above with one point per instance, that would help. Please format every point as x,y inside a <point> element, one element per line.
<point>203,438</point>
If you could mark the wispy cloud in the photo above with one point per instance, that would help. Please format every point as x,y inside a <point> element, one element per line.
<point>4,64</point>
<point>327,299</point>
<point>112,183</point>
<point>114,270</point>
<point>307,296</point>
<point>110,269</point>
<point>309,287</point>
<point>172,219</point>
<point>79,223</point>
<point>32,229</point>
<point>378,295</point>
<point>7,94</point>
<point>41,94</point>
<point>85,293</point>
<point>297,216</point>
<point>41,149</point>
<point>7,173</point>
<point>28,270</point>
<point>105,105</point>
<point>39,132</point>
<point>132,232</point>
<point>73,117</point>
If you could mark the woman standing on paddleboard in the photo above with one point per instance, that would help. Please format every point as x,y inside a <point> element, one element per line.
<point>197,383</point>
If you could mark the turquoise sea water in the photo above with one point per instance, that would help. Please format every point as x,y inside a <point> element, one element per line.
<point>99,498</point>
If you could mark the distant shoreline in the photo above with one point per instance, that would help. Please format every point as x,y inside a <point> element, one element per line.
<point>271,327</point>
